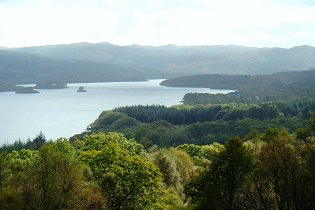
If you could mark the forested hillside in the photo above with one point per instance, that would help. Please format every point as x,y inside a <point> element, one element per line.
<point>157,105</point>
<point>17,68</point>
<point>175,60</point>
<point>281,86</point>
<point>199,124</point>
<point>270,170</point>
<point>249,149</point>
<point>223,155</point>
<point>102,62</point>
<point>242,82</point>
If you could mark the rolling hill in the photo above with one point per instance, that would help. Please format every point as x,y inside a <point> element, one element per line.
<point>174,61</point>
<point>278,86</point>
<point>221,81</point>
<point>104,62</point>
<point>17,67</point>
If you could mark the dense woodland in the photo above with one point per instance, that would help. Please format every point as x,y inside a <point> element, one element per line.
<point>236,151</point>
<point>271,170</point>
<point>223,155</point>
<point>199,124</point>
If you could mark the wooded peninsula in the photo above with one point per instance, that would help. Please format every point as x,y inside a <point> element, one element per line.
<point>249,149</point>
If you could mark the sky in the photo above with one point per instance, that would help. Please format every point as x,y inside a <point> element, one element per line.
<point>257,23</point>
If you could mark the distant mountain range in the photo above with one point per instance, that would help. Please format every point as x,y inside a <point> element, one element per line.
<point>101,62</point>
<point>18,67</point>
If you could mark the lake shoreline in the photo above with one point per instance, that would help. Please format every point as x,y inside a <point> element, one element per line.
<point>64,112</point>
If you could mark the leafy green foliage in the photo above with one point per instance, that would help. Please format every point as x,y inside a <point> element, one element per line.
<point>202,154</point>
<point>218,184</point>
<point>282,180</point>
<point>271,170</point>
<point>176,167</point>
<point>166,134</point>
<point>127,178</point>
<point>55,180</point>
<point>47,179</point>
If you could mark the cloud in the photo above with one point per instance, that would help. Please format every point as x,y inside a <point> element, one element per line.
<point>157,22</point>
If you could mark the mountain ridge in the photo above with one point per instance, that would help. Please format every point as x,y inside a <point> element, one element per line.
<point>102,62</point>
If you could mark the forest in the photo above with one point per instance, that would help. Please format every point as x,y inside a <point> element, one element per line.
<point>222,152</point>
<point>283,86</point>
<point>199,124</point>
<point>222,155</point>
<point>149,133</point>
<point>270,170</point>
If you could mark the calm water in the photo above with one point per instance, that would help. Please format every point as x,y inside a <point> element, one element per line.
<point>64,112</point>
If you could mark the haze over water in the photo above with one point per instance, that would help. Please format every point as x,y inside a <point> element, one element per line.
<point>64,112</point>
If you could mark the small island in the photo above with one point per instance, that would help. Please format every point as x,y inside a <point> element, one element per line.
<point>81,90</point>
<point>25,90</point>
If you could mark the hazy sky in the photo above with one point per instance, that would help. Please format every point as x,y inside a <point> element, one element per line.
<point>262,23</point>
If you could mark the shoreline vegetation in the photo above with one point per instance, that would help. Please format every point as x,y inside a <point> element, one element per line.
<point>283,86</point>
<point>250,149</point>
<point>96,166</point>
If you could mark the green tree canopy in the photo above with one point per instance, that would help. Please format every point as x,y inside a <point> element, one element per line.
<point>217,185</point>
<point>127,178</point>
